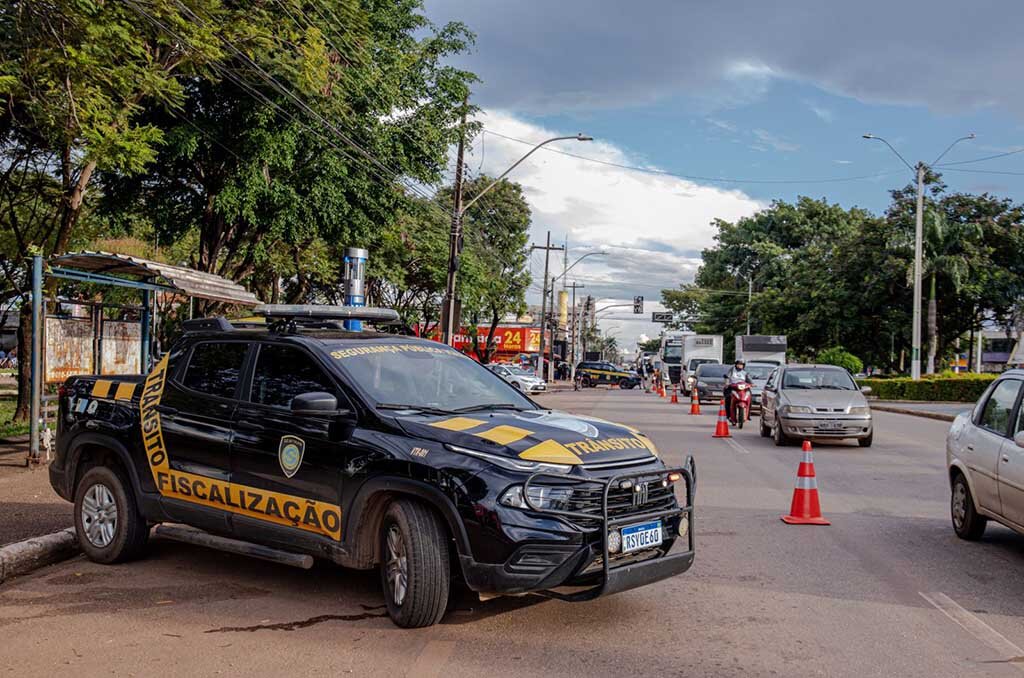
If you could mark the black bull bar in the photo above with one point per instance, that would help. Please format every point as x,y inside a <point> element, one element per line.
<point>630,575</point>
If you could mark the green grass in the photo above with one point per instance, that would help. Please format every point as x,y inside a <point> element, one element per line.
<point>7,429</point>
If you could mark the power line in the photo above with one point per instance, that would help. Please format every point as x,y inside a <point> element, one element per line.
<point>695,177</point>
<point>978,171</point>
<point>987,157</point>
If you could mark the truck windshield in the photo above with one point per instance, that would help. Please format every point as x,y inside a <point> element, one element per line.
<point>697,362</point>
<point>673,353</point>
<point>427,376</point>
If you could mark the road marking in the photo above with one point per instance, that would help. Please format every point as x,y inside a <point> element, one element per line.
<point>977,628</point>
<point>736,446</point>
<point>432,659</point>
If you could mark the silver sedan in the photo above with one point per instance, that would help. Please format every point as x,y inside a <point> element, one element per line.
<point>814,401</point>
<point>985,457</point>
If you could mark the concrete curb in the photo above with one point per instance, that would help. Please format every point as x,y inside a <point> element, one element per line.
<point>23,557</point>
<point>915,413</point>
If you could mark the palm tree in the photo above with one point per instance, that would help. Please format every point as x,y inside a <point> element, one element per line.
<point>946,249</point>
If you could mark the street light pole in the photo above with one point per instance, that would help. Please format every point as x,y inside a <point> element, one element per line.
<point>455,242</point>
<point>919,171</point>
<point>915,351</point>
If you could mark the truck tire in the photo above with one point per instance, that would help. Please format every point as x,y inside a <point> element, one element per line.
<point>414,564</point>
<point>108,524</point>
<point>585,382</point>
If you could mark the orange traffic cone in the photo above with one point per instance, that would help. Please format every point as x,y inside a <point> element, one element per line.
<point>694,401</point>
<point>722,427</point>
<point>675,394</point>
<point>805,509</point>
<point>661,390</point>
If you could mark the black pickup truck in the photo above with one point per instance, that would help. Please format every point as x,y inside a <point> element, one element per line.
<point>369,450</point>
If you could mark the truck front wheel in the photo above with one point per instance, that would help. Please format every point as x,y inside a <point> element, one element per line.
<point>414,564</point>
<point>108,523</point>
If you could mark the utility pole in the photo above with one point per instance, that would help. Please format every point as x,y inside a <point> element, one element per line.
<point>448,329</point>
<point>544,300</point>
<point>915,355</point>
<point>575,330</point>
<point>750,299</point>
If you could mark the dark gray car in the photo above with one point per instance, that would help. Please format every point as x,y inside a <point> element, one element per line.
<point>711,381</point>
<point>814,401</point>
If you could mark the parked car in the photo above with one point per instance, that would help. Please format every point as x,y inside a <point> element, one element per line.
<point>520,378</point>
<point>985,458</point>
<point>815,401</point>
<point>592,373</point>
<point>710,382</point>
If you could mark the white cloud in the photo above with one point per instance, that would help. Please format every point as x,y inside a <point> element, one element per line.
<point>653,226</point>
<point>823,113</point>
<point>775,142</point>
<point>843,162</point>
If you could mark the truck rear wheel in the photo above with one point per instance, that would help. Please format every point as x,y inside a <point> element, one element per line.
<point>108,523</point>
<point>414,564</point>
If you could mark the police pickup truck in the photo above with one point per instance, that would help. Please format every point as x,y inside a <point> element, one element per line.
<point>370,450</point>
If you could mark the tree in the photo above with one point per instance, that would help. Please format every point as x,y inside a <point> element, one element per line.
<point>839,356</point>
<point>947,248</point>
<point>493,273</point>
<point>654,344</point>
<point>276,177</point>
<point>74,77</point>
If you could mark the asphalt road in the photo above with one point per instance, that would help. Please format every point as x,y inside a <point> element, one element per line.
<point>886,590</point>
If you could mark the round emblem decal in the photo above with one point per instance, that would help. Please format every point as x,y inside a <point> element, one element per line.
<point>289,454</point>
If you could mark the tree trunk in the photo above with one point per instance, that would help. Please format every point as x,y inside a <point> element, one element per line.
<point>21,410</point>
<point>489,346</point>
<point>933,327</point>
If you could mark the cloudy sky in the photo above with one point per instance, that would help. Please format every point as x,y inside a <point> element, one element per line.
<point>727,106</point>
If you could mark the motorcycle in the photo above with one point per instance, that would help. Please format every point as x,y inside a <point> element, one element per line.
<point>739,404</point>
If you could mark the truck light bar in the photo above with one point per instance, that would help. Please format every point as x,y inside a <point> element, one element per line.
<point>326,312</point>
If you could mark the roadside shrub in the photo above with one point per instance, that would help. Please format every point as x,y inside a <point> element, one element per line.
<point>963,388</point>
<point>840,357</point>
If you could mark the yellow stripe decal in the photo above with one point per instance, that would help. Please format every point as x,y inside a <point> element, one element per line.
<point>125,391</point>
<point>550,451</point>
<point>503,435</point>
<point>457,423</point>
<point>101,389</point>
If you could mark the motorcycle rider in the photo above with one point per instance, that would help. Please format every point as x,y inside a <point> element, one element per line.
<point>737,374</point>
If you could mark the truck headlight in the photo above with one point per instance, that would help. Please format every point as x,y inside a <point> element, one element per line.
<point>541,496</point>
<point>614,541</point>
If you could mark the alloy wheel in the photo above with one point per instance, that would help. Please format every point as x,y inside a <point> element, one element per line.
<point>397,565</point>
<point>99,515</point>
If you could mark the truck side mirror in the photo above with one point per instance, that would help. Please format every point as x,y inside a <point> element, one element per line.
<point>314,404</point>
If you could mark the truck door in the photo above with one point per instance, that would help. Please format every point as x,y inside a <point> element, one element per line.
<point>293,463</point>
<point>196,407</point>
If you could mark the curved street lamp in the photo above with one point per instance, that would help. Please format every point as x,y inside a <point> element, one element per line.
<point>458,212</point>
<point>915,352</point>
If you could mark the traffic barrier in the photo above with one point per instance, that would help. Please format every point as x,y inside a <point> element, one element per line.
<point>694,401</point>
<point>806,508</point>
<point>722,427</point>
<point>675,394</point>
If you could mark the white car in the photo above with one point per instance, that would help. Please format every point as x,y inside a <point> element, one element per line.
<point>525,381</point>
<point>985,459</point>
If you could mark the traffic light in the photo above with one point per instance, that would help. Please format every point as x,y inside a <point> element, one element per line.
<point>638,304</point>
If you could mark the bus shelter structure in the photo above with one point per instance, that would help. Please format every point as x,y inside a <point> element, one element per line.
<point>125,271</point>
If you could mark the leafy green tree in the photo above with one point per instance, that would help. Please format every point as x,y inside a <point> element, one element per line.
<point>651,344</point>
<point>948,250</point>
<point>837,355</point>
<point>493,273</point>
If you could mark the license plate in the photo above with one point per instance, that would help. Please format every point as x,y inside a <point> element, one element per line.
<point>716,393</point>
<point>831,425</point>
<point>643,536</point>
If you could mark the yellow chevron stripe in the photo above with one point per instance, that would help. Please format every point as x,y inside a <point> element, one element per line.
<point>503,435</point>
<point>101,389</point>
<point>125,391</point>
<point>458,423</point>
<point>552,452</point>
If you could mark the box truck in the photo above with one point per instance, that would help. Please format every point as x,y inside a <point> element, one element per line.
<point>759,348</point>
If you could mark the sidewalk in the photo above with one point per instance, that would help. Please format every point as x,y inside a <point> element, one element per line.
<point>943,411</point>
<point>28,505</point>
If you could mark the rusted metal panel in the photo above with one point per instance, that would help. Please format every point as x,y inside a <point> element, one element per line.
<point>120,352</point>
<point>68,348</point>
<point>188,281</point>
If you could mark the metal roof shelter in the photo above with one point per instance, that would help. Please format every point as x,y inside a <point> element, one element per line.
<point>105,268</point>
